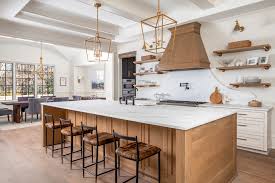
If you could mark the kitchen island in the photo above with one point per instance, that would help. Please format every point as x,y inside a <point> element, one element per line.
<point>198,144</point>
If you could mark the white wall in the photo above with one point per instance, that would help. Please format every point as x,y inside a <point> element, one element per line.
<point>82,68</point>
<point>216,34</point>
<point>21,51</point>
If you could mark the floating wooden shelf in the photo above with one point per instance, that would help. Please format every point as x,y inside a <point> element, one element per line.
<point>265,47</point>
<point>146,61</point>
<point>146,85</point>
<point>263,85</point>
<point>148,73</point>
<point>264,66</point>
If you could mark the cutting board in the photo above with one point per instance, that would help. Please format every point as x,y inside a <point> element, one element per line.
<point>216,97</point>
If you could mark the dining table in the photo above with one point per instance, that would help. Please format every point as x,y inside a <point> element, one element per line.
<point>17,105</point>
<point>16,114</point>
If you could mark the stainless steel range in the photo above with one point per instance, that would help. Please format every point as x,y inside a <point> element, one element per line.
<point>181,103</point>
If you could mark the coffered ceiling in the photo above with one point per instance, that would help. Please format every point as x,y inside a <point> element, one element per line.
<point>70,22</point>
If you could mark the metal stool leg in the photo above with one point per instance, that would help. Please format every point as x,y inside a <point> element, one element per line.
<point>92,153</point>
<point>72,148</point>
<point>137,166</point>
<point>96,160</point>
<point>115,164</point>
<point>81,144</point>
<point>104,154</point>
<point>83,158</point>
<point>52,141</point>
<point>62,141</point>
<point>159,167</point>
<point>46,140</point>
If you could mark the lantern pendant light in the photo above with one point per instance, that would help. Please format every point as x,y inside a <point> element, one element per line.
<point>94,46</point>
<point>40,70</point>
<point>157,24</point>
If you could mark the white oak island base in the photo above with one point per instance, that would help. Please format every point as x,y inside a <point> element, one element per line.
<point>204,154</point>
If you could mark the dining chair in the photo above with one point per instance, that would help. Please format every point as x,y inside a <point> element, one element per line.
<point>23,106</point>
<point>35,106</point>
<point>6,111</point>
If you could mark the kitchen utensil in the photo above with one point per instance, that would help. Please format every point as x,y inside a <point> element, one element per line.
<point>216,97</point>
<point>255,103</point>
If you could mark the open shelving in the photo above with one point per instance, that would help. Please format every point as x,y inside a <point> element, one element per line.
<point>147,61</point>
<point>149,73</point>
<point>265,47</point>
<point>263,66</point>
<point>146,85</point>
<point>263,85</point>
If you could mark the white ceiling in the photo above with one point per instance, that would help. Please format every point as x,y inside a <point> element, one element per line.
<point>70,22</point>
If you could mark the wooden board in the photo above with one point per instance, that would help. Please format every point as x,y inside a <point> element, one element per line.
<point>216,97</point>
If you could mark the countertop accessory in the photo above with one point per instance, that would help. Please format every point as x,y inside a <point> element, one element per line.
<point>252,61</point>
<point>216,97</point>
<point>239,44</point>
<point>255,103</point>
<point>239,62</point>
<point>263,60</point>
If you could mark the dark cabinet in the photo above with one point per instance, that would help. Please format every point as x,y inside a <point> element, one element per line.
<point>128,68</point>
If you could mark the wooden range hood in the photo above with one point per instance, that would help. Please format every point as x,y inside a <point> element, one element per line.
<point>188,52</point>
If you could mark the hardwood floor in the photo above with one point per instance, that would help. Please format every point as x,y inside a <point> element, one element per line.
<point>23,160</point>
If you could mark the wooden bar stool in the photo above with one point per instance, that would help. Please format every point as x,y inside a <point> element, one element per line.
<point>97,139</point>
<point>71,131</point>
<point>135,151</point>
<point>53,125</point>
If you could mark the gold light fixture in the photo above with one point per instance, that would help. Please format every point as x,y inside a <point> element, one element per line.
<point>157,24</point>
<point>237,27</point>
<point>40,70</point>
<point>94,46</point>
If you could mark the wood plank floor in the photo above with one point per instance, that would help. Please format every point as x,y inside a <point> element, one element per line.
<point>23,159</point>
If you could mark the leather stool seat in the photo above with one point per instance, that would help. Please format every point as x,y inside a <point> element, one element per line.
<point>76,130</point>
<point>56,125</point>
<point>103,138</point>
<point>129,151</point>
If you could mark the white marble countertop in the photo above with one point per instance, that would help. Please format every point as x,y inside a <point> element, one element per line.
<point>177,117</point>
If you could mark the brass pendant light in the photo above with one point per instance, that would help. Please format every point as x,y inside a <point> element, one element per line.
<point>157,24</point>
<point>94,45</point>
<point>40,70</point>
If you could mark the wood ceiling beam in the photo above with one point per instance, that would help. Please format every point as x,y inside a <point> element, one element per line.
<point>52,12</point>
<point>36,33</point>
<point>60,24</point>
<point>203,4</point>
